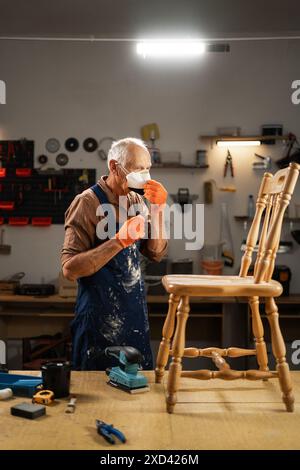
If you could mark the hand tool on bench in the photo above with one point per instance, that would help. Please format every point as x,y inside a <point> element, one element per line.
<point>71,405</point>
<point>108,431</point>
<point>6,393</point>
<point>43,397</point>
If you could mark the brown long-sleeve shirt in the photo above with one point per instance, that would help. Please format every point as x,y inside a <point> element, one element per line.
<point>81,221</point>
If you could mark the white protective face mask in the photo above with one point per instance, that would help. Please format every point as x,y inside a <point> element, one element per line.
<point>136,180</point>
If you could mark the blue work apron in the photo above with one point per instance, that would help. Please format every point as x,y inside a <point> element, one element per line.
<point>111,308</point>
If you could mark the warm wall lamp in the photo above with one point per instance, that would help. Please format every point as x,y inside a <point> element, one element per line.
<point>238,143</point>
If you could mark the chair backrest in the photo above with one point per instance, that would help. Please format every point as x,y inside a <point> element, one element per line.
<point>274,196</point>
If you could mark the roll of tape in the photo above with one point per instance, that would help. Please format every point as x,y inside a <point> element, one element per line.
<point>6,393</point>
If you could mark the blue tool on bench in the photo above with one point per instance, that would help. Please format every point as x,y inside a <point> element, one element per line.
<point>127,375</point>
<point>21,385</point>
<point>108,431</point>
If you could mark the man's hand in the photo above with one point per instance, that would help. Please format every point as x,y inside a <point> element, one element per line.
<point>155,192</point>
<point>131,231</point>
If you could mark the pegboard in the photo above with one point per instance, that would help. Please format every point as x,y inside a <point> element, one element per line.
<point>16,153</point>
<point>30,196</point>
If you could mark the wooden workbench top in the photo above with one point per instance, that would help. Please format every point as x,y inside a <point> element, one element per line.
<point>210,415</point>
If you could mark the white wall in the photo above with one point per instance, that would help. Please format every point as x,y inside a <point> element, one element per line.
<point>64,89</point>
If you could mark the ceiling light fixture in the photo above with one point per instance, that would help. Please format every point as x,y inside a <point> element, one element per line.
<point>169,48</point>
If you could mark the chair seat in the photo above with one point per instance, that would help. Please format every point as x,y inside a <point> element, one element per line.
<point>211,286</point>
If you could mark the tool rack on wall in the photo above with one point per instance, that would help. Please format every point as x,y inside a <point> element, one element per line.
<point>32,196</point>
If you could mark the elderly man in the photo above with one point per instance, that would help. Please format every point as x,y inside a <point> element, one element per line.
<point>111,306</point>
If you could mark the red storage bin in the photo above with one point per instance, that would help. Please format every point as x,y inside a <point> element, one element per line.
<point>18,221</point>
<point>2,172</point>
<point>7,205</point>
<point>24,172</point>
<point>41,221</point>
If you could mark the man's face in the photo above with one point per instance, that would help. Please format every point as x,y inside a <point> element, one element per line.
<point>138,160</point>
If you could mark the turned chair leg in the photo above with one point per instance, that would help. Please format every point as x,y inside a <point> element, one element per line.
<point>279,352</point>
<point>167,333</point>
<point>258,332</point>
<point>178,346</point>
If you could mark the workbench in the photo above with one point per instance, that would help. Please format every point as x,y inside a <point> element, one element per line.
<point>212,414</point>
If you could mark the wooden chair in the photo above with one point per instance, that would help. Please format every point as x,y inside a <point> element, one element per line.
<point>273,198</point>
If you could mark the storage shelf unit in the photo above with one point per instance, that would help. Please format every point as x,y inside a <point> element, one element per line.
<point>245,218</point>
<point>170,166</point>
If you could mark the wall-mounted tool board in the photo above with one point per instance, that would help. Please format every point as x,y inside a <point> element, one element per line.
<point>35,196</point>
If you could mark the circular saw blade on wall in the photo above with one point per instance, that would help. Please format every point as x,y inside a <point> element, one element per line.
<point>62,159</point>
<point>42,159</point>
<point>71,144</point>
<point>52,145</point>
<point>90,144</point>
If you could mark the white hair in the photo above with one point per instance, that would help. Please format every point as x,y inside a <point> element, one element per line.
<point>119,150</point>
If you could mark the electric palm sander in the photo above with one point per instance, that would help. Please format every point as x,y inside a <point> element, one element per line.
<point>127,375</point>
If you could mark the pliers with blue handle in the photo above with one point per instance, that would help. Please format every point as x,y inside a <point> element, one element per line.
<point>107,430</point>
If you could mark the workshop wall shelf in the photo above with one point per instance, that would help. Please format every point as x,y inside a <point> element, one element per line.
<point>284,247</point>
<point>245,218</point>
<point>213,139</point>
<point>170,166</point>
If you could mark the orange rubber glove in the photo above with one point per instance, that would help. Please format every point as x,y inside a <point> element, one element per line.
<point>131,231</point>
<point>155,192</point>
